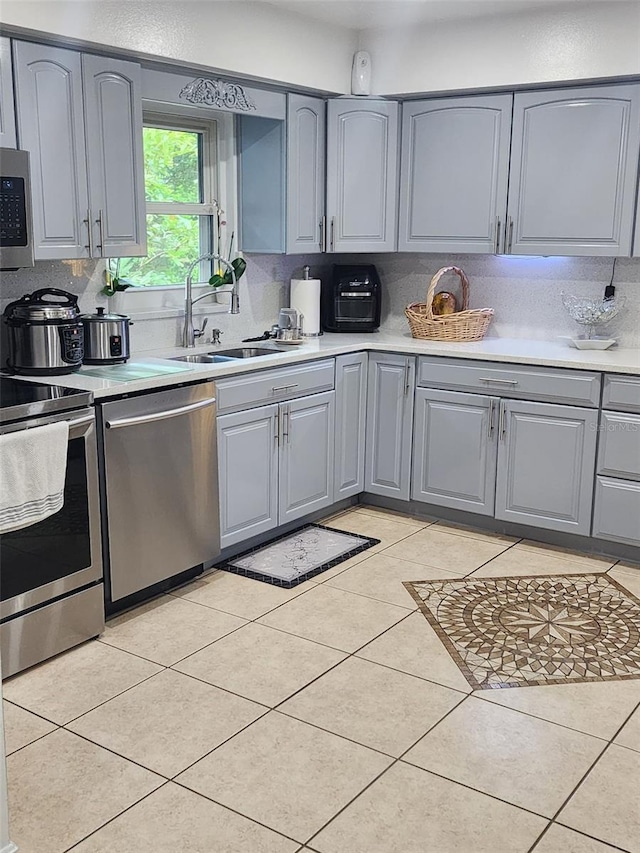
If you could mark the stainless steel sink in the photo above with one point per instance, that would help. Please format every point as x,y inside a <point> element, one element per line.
<point>219,356</point>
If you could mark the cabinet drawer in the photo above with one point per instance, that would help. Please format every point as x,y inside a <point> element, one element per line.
<point>619,454</point>
<point>617,511</point>
<point>516,381</point>
<point>271,386</point>
<point>622,393</point>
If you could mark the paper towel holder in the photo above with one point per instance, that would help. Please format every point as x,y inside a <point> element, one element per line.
<point>306,300</point>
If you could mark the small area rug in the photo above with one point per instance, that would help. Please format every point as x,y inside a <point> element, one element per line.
<point>298,556</point>
<point>522,631</point>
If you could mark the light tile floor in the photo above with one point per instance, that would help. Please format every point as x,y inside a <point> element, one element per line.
<point>236,717</point>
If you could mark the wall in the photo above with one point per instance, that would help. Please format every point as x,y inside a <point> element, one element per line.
<point>525,293</point>
<point>574,41</point>
<point>241,37</point>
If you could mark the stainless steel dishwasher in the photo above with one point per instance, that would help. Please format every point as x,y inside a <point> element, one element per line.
<point>159,486</point>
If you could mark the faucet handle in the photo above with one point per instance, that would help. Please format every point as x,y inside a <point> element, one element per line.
<point>198,333</point>
<point>215,336</point>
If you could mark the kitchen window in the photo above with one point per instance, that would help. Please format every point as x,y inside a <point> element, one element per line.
<point>185,191</point>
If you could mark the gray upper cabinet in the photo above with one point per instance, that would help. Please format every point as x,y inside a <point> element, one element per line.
<point>362,175</point>
<point>248,473</point>
<point>7,109</point>
<point>574,161</point>
<point>455,168</point>
<point>113,122</point>
<point>351,416</point>
<point>306,455</point>
<point>454,450</point>
<point>261,184</point>
<point>390,396</point>
<point>306,132</point>
<point>546,464</point>
<point>636,239</point>
<point>50,117</point>
<point>88,191</point>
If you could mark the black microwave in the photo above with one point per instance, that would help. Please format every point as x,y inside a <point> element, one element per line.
<point>351,299</point>
<point>16,237</point>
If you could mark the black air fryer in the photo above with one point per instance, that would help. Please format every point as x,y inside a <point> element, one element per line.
<point>351,299</point>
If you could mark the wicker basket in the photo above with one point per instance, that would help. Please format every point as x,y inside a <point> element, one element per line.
<point>464,325</point>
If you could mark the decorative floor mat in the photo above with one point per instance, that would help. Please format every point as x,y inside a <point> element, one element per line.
<point>298,556</point>
<point>521,631</point>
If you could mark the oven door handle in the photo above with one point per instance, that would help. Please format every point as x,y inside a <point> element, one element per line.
<point>160,416</point>
<point>76,422</point>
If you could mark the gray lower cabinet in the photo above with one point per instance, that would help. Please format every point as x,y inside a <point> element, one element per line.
<point>546,465</point>
<point>454,450</point>
<point>248,473</point>
<point>362,174</point>
<point>390,395</point>
<point>7,108</point>
<point>455,169</point>
<point>574,162</point>
<point>617,510</point>
<point>351,419</point>
<point>306,141</point>
<point>275,464</point>
<point>617,505</point>
<point>80,117</point>
<point>306,455</point>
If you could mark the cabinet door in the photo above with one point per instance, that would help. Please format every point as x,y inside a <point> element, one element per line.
<point>574,161</point>
<point>7,109</point>
<point>362,152</point>
<point>546,463</point>
<point>619,447</point>
<point>261,184</point>
<point>389,425</point>
<point>455,167</point>
<point>248,473</point>
<point>636,239</point>
<point>351,414</point>
<point>306,131</point>
<point>51,127</point>
<point>454,450</point>
<point>306,455</point>
<point>113,120</point>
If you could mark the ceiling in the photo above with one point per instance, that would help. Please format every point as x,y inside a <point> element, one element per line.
<point>366,14</point>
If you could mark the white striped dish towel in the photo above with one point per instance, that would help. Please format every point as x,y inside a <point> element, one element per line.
<point>33,465</point>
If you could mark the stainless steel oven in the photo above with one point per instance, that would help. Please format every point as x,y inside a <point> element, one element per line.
<point>51,578</point>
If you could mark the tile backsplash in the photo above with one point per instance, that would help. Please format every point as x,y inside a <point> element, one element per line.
<point>524,291</point>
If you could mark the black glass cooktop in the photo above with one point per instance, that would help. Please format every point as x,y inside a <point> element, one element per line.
<point>19,400</point>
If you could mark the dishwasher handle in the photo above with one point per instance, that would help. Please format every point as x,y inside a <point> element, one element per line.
<point>160,416</point>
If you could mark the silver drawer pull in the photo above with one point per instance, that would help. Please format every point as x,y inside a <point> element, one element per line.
<point>499,381</point>
<point>277,388</point>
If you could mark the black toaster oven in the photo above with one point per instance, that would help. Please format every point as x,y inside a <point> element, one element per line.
<point>351,299</point>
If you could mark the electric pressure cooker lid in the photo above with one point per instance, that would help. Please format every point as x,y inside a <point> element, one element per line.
<point>103,316</point>
<point>34,307</point>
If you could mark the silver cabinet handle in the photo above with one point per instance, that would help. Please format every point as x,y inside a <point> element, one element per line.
<point>492,408</point>
<point>277,388</point>
<point>100,221</point>
<point>333,233</point>
<point>160,416</point>
<point>89,223</point>
<point>286,424</point>
<point>407,371</point>
<point>510,235</point>
<point>499,381</point>
<point>277,428</point>
<point>503,420</point>
<point>323,234</point>
<point>496,248</point>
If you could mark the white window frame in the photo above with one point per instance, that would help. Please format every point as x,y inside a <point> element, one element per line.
<point>219,187</point>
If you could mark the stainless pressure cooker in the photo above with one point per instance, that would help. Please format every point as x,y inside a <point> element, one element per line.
<point>106,337</point>
<point>45,334</point>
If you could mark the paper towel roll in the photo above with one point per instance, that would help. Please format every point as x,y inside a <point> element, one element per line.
<point>305,298</point>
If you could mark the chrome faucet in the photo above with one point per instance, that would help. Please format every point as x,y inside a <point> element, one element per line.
<point>190,334</point>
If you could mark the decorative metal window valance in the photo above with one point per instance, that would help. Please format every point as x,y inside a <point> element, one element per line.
<point>217,93</point>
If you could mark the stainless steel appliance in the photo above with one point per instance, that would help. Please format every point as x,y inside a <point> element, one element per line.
<point>51,580</point>
<point>45,333</point>
<point>289,326</point>
<point>16,231</point>
<point>351,299</point>
<point>106,337</point>
<point>160,492</point>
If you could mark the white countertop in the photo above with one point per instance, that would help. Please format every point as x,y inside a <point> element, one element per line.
<point>506,350</point>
